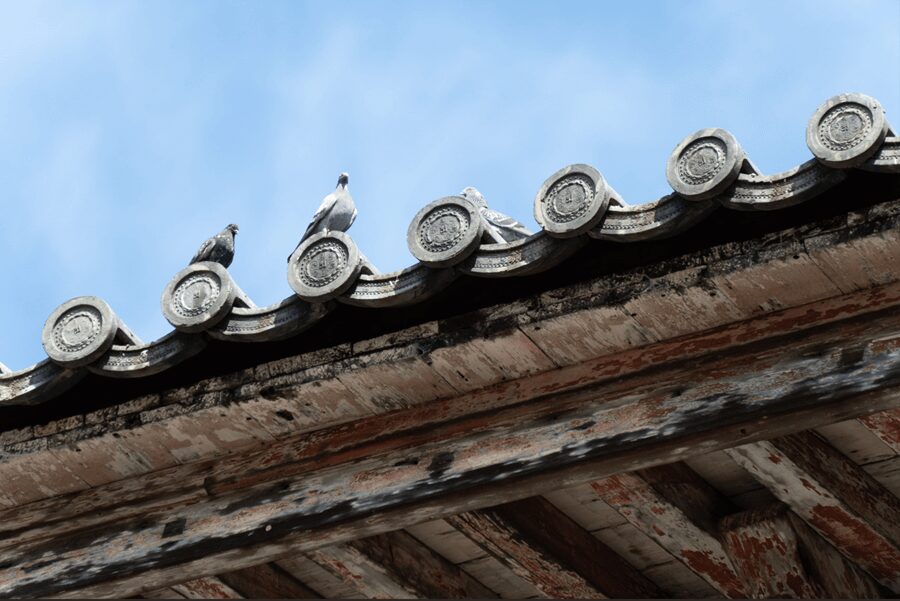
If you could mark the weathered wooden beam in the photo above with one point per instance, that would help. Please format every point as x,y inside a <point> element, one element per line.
<point>186,484</point>
<point>162,593</point>
<point>842,502</point>
<point>756,392</point>
<point>779,556</point>
<point>395,565</point>
<point>546,548</point>
<point>207,587</point>
<point>267,581</point>
<point>677,508</point>
<point>886,426</point>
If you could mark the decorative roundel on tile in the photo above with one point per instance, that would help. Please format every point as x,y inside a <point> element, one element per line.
<point>571,201</point>
<point>704,164</point>
<point>198,297</point>
<point>79,331</point>
<point>445,232</point>
<point>324,266</point>
<point>846,130</point>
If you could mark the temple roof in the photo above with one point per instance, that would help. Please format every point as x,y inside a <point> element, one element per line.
<point>586,231</point>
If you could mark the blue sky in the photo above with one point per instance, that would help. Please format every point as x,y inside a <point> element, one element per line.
<point>131,131</point>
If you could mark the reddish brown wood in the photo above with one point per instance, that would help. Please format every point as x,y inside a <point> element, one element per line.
<point>676,508</point>
<point>394,565</point>
<point>419,473</point>
<point>779,556</point>
<point>545,547</point>
<point>267,581</point>
<point>207,587</point>
<point>135,497</point>
<point>886,426</point>
<point>842,502</point>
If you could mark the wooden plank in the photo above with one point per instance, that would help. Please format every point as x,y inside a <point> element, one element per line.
<point>483,361</point>
<point>545,547</point>
<point>779,556</point>
<point>207,587</point>
<point>311,574</point>
<point>414,475</point>
<point>395,564</point>
<point>843,503</point>
<point>267,581</point>
<point>677,509</point>
<point>163,593</point>
<point>886,426</point>
<point>367,577</point>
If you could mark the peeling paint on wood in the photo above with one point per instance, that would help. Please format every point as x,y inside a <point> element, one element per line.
<point>845,505</point>
<point>405,475</point>
<point>671,504</point>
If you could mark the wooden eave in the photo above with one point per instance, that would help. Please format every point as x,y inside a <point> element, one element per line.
<point>629,400</point>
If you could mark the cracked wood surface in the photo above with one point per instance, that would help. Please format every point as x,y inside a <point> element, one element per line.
<point>396,565</point>
<point>543,546</point>
<point>779,556</point>
<point>765,389</point>
<point>836,497</point>
<point>677,509</point>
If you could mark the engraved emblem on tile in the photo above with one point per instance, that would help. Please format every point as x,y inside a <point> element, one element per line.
<point>572,201</point>
<point>847,130</point>
<point>445,232</point>
<point>324,266</point>
<point>705,164</point>
<point>199,297</point>
<point>81,330</point>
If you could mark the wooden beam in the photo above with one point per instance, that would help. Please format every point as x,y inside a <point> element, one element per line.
<point>546,548</point>
<point>208,587</point>
<point>267,581</point>
<point>408,476</point>
<point>842,502</point>
<point>677,508</point>
<point>779,556</point>
<point>132,498</point>
<point>886,426</point>
<point>395,565</point>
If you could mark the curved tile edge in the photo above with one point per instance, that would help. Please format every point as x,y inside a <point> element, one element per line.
<point>887,159</point>
<point>275,322</point>
<point>36,384</point>
<point>769,192</point>
<point>134,361</point>
<point>534,254</point>
<point>398,288</point>
<point>668,216</point>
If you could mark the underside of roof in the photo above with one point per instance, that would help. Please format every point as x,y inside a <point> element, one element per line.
<point>694,397</point>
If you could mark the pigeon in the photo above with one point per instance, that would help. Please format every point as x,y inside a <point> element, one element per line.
<point>219,248</point>
<point>499,227</point>
<point>336,213</point>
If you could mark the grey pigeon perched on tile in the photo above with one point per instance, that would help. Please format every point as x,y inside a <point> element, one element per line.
<point>498,227</point>
<point>336,213</point>
<point>219,248</point>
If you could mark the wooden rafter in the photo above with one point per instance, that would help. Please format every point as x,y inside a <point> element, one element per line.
<point>267,581</point>
<point>390,471</point>
<point>779,556</point>
<point>676,508</point>
<point>207,587</point>
<point>886,426</point>
<point>545,547</point>
<point>836,497</point>
<point>396,565</point>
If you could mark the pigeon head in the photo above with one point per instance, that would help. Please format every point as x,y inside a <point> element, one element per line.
<point>473,195</point>
<point>343,179</point>
<point>232,227</point>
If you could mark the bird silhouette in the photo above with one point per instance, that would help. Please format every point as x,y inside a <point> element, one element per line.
<point>219,248</point>
<point>498,227</point>
<point>336,213</point>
